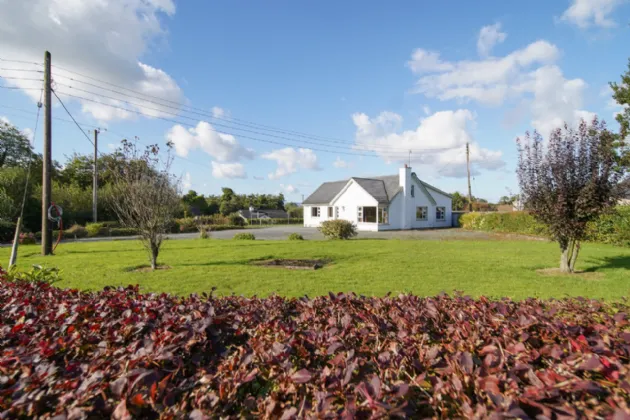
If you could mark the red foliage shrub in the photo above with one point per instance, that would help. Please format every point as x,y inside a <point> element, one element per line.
<point>121,353</point>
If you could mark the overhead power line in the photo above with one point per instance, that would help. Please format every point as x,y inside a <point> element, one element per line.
<point>371,148</point>
<point>181,111</point>
<point>21,78</point>
<point>22,62</point>
<point>26,70</point>
<point>217,131</point>
<point>17,87</point>
<point>70,115</point>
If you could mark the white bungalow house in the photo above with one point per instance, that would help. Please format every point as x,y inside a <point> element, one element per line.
<point>400,201</point>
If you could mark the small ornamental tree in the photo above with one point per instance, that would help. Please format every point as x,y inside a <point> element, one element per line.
<point>569,182</point>
<point>145,195</point>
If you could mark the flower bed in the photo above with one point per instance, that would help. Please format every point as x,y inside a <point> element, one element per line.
<point>122,353</point>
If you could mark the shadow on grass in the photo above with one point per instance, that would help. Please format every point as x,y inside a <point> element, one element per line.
<point>107,251</point>
<point>610,263</point>
<point>246,262</point>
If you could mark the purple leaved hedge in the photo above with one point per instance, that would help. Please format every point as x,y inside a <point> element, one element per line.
<point>125,354</point>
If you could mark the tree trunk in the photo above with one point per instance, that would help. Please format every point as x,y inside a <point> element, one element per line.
<point>564,261</point>
<point>574,257</point>
<point>155,250</point>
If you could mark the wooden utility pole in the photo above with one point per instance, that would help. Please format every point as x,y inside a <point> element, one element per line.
<point>95,178</point>
<point>470,208</point>
<point>47,163</point>
<point>16,241</point>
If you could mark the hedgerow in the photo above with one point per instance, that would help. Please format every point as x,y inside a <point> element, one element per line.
<point>612,227</point>
<point>121,354</point>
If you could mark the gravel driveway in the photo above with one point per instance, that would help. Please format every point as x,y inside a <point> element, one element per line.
<point>282,232</point>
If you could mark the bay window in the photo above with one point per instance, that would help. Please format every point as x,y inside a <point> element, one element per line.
<point>366,214</point>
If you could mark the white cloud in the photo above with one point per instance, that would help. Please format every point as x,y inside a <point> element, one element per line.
<point>340,163</point>
<point>426,110</point>
<point>442,135</point>
<point>186,181</point>
<point>489,36</point>
<point>488,80</point>
<point>527,75</point>
<point>228,170</point>
<point>102,39</point>
<point>423,61</point>
<point>219,112</point>
<point>222,147</point>
<point>289,189</point>
<point>289,160</point>
<point>26,131</point>
<point>585,13</point>
<point>112,146</point>
<point>611,103</point>
<point>29,134</point>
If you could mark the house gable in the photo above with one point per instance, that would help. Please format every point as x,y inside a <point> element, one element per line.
<point>353,194</point>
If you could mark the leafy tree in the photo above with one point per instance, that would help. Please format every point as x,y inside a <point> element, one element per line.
<point>15,148</point>
<point>570,183</point>
<point>145,196</point>
<point>459,201</point>
<point>621,94</point>
<point>7,208</point>
<point>195,204</point>
<point>294,210</point>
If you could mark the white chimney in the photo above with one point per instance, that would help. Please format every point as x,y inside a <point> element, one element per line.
<point>404,179</point>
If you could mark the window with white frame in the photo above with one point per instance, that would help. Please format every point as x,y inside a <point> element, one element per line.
<point>440,213</point>
<point>315,211</point>
<point>421,213</point>
<point>383,215</point>
<point>330,212</point>
<point>367,214</point>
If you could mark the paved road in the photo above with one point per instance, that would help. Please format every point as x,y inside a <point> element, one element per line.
<point>282,232</point>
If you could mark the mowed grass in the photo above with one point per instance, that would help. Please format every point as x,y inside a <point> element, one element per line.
<point>371,267</point>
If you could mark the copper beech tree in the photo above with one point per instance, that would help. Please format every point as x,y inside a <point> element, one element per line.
<point>145,195</point>
<point>568,182</point>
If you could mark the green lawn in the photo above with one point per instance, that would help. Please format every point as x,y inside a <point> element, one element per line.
<point>370,267</point>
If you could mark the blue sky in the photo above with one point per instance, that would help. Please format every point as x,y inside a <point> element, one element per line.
<point>366,81</point>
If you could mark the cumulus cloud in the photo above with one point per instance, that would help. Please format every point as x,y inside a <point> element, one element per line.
<point>289,189</point>
<point>289,160</point>
<point>222,147</point>
<point>488,80</point>
<point>489,36</point>
<point>228,170</point>
<point>104,40</point>
<point>340,163</point>
<point>528,75</point>
<point>586,13</point>
<point>442,137</point>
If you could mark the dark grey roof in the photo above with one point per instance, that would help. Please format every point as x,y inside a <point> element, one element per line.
<point>274,214</point>
<point>382,188</point>
<point>326,192</point>
<point>392,185</point>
